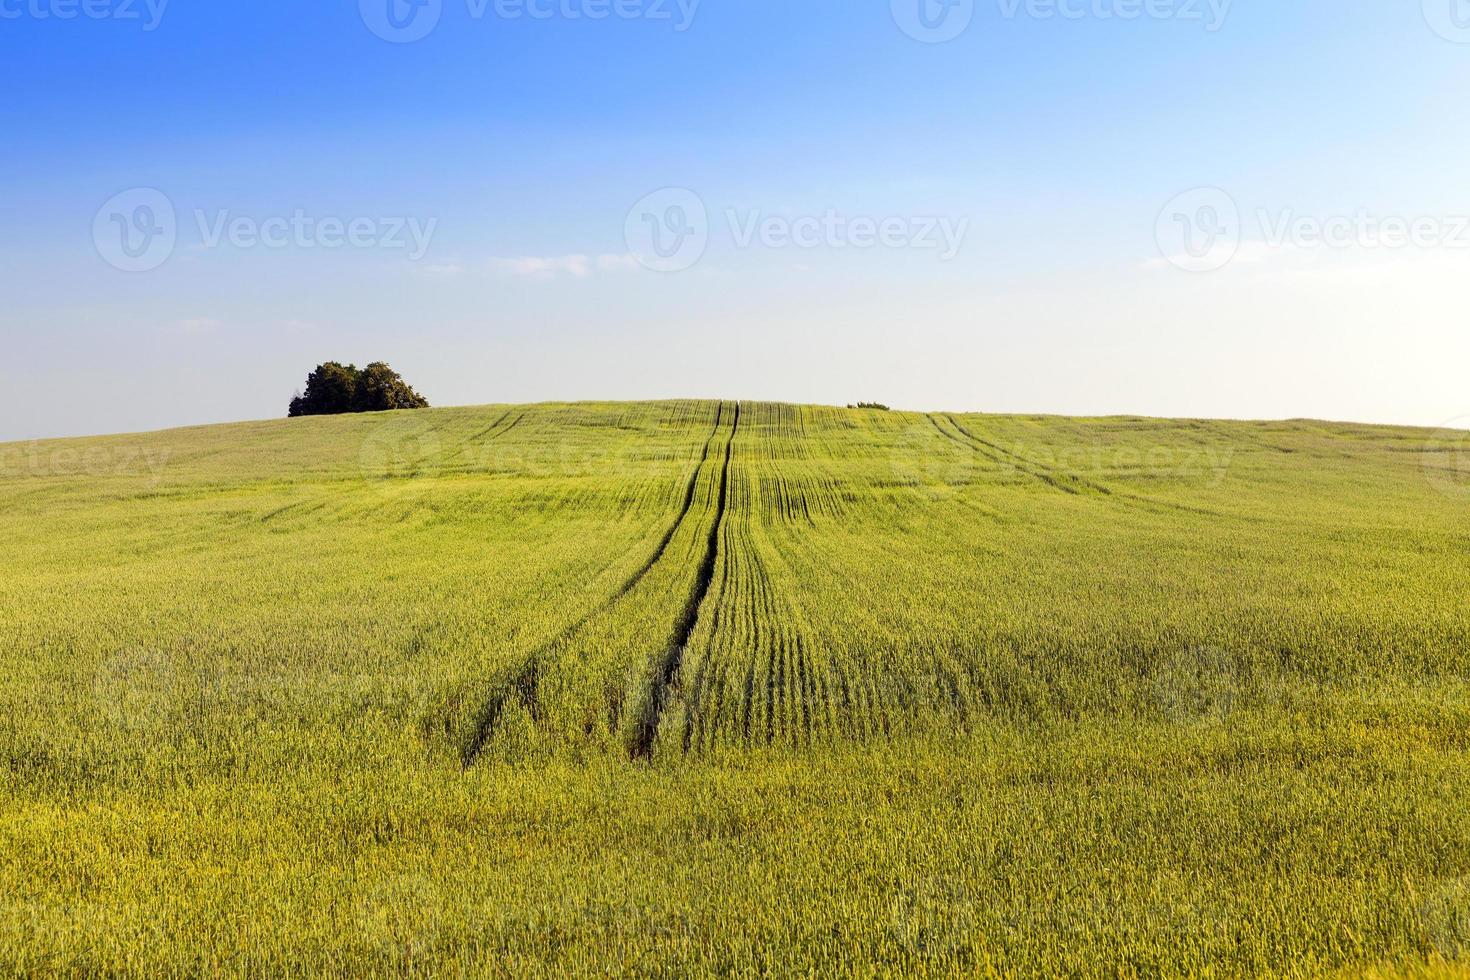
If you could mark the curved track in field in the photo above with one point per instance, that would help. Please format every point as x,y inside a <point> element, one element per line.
<point>684,627</point>
<point>524,680</point>
<point>1066,482</point>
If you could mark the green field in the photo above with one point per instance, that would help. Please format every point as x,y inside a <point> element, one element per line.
<point>668,688</point>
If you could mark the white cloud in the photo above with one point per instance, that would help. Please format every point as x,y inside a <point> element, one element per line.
<point>1221,255</point>
<point>552,267</point>
<point>616,263</point>
<point>442,271</point>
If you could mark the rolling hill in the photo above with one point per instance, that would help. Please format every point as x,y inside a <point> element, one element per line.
<point>738,687</point>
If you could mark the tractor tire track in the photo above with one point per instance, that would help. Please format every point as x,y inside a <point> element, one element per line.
<point>524,680</point>
<point>694,721</point>
<point>1068,483</point>
<point>999,460</point>
<point>489,429</point>
<point>668,670</point>
<point>465,456</point>
<point>1005,457</point>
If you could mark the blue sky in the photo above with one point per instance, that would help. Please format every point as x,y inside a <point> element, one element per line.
<point>1063,147</point>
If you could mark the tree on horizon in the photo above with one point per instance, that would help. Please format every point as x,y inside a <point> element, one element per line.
<point>338,389</point>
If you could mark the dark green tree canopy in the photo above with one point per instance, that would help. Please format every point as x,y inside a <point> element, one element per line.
<point>336,389</point>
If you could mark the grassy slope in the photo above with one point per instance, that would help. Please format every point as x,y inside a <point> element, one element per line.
<point>962,692</point>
